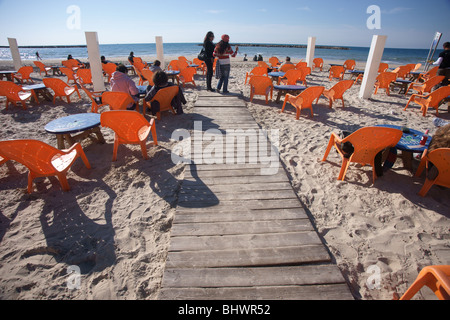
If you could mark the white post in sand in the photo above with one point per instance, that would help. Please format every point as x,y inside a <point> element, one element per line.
<point>15,53</point>
<point>372,66</point>
<point>160,51</point>
<point>95,61</point>
<point>311,51</point>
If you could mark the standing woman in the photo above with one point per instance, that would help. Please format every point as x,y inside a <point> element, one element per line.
<point>223,51</point>
<point>209,49</point>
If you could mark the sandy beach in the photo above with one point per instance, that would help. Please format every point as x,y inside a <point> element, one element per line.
<point>115,222</point>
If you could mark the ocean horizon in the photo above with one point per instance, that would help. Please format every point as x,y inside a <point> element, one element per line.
<point>359,54</point>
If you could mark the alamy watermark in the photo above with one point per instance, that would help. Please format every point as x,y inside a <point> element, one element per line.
<point>74,279</point>
<point>236,146</point>
<point>374,21</point>
<point>73,22</point>
<point>374,280</point>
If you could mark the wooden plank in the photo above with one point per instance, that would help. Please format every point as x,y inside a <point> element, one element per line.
<point>249,195</point>
<point>236,188</point>
<point>248,258</point>
<point>244,241</point>
<point>240,215</point>
<point>252,277</point>
<point>216,205</point>
<point>320,292</point>
<point>219,103</point>
<point>189,180</point>
<point>241,227</point>
<point>224,173</point>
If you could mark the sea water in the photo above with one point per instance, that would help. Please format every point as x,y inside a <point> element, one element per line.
<point>359,54</point>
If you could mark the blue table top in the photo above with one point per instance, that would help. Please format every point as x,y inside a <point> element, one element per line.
<point>74,123</point>
<point>172,72</point>
<point>403,81</point>
<point>142,89</point>
<point>289,87</point>
<point>410,141</point>
<point>356,71</point>
<point>276,74</point>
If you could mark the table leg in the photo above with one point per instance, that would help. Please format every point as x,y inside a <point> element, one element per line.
<point>407,158</point>
<point>99,135</point>
<point>70,141</point>
<point>35,97</point>
<point>60,141</point>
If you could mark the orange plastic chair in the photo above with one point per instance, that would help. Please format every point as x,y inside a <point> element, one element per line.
<point>384,81</point>
<point>72,64</point>
<point>116,100</point>
<point>286,67</point>
<point>139,65</point>
<point>84,76</point>
<point>367,143</point>
<point>264,65</point>
<point>417,67</point>
<point>440,158</point>
<point>425,87</point>
<point>291,77</point>
<point>349,65</point>
<point>383,67</point>
<point>304,100</point>
<point>429,74</point>
<point>337,92</point>
<point>60,88</point>
<point>42,159</point>
<point>187,75</point>
<point>437,278</point>
<point>23,74</point>
<point>306,71</point>
<point>14,94</point>
<point>130,127</point>
<point>42,67</point>
<point>95,98</point>
<point>337,72</point>
<point>109,69</point>
<point>257,71</point>
<point>182,58</point>
<point>182,64</point>
<point>274,62</point>
<point>432,100</point>
<point>173,65</point>
<point>318,63</point>
<point>402,71</point>
<point>261,85</point>
<point>147,75</point>
<point>68,72</point>
<point>139,74</point>
<point>201,65</point>
<point>164,97</point>
<point>140,62</point>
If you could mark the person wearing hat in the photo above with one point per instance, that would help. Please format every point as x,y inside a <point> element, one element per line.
<point>223,52</point>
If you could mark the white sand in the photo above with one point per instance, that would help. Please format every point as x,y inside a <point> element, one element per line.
<point>115,222</point>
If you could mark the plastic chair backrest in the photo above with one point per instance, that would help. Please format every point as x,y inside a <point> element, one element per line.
<point>165,96</point>
<point>117,100</point>
<point>435,97</point>
<point>301,64</point>
<point>10,90</point>
<point>440,158</point>
<point>349,64</point>
<point>263,64</point>
<point>417,67</point>
<point>274,61</point>
<point>292,76</point>
<point>383,67</point>
<point>85,76</point>
<point>173,65</point>
<point>67,63</point>
<point>258,71</point>
<point>432,82</point>
<point>369,141</point>
<point>337,72</point>
<point>385,78</point>
<point>109,68</point>
<point>126,124</point>
<point>431,73</point>
<point>35,155</point>
<point>340,87</point>
<point>437,278</point>
<point>306,71</point>
<point>148,75</point>
<point>68,72</point>
<point>318,62</point>
<point>138,65</point>
<point>287,67</point>
<point>25,72</point>
<point>402,71</point>
<point>57,85</point>
<point>182,64</point>
<point>187,74</point>
<point>40,65</point>
<point>260,84</point>
<point>309,95</point>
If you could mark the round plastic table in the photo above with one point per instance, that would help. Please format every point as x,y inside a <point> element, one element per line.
<point>86,123</point>
<point>283,89</point>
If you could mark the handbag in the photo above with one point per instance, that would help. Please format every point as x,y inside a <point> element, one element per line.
<point>202,55</point>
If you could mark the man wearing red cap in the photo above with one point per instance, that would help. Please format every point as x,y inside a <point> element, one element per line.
<point>223,52</point>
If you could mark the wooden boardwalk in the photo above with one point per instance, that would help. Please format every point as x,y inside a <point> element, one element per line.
<point>238,234</point>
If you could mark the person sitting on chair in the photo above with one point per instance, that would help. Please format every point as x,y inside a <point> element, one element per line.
<point>120,82</point>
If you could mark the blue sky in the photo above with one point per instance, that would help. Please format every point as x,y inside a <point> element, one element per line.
<point>408,24</point>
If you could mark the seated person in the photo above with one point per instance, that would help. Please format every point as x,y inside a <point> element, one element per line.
<point>69,57</point>
<point>104,61</point>
<point>156,66</point>
<point>131,57</point>
<point>288,61</point>
<point>120,82</point>
<point>161,81</point>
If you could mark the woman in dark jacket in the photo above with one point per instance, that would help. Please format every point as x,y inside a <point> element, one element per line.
<point>209,48</point>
